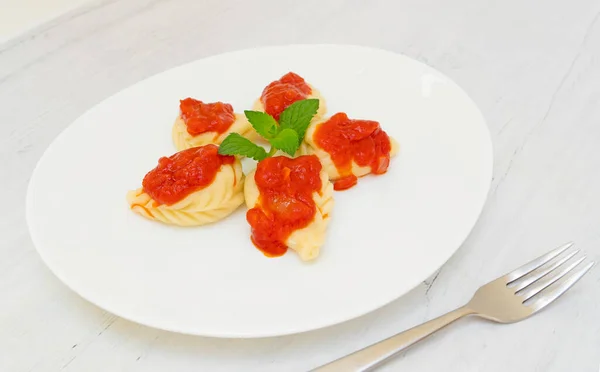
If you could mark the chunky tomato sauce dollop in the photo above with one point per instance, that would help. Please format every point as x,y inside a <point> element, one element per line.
<point>347,140</point>
<point>200,117</point>
<point>285,203</point>
<point>278,95</point>
<point>183,173</point>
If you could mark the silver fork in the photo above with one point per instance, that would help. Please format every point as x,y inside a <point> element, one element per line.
<point>510,298</point>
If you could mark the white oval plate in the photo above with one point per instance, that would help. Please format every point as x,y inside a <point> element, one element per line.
<point>387,234</point>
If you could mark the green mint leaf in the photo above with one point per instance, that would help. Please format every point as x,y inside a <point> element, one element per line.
<point>286,141</point>
<point>298,116</point>
<point>235,144</point>
<point>263,123</point>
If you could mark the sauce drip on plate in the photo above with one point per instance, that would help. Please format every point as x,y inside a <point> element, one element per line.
<point>278,95</point>
<point>183,173</point>
<point>360,141</point>
<point>285,203</point>
<point>200,117</point>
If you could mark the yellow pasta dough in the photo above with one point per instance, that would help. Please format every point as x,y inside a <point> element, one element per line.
<point>306,242</point>
<point>209,204</point>
<point>259,106</point>
<point>309,147</point>
<point>183,140</point>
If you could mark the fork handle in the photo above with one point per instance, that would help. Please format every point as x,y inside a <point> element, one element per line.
<point>372,356</point>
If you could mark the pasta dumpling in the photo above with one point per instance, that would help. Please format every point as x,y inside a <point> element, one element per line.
<point>190,188</point>
<point>200,123</point>
<point>280,94</point>
<point>290,203</point>
<point>349,148</point>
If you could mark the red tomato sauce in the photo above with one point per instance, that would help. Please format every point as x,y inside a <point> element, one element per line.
<point>347,140</point>
<point>281,93</point>
<point>285,203</point>
<point>183,173</point>
<point>200,117</point>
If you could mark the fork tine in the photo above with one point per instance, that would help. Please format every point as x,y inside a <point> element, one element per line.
<point>534,278</point>
<point>532,290</point>
<point>529,267</point>
<point>546,299</point>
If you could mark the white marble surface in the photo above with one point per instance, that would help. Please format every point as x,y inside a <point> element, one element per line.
<point>532,66</point>
<point>19,16</point>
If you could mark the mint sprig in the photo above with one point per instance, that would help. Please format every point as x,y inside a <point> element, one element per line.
<point>263,123</point>
<point>235,144</point>
<point>287,135</point>
<point>298,116</point>
<point>286,140</point>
